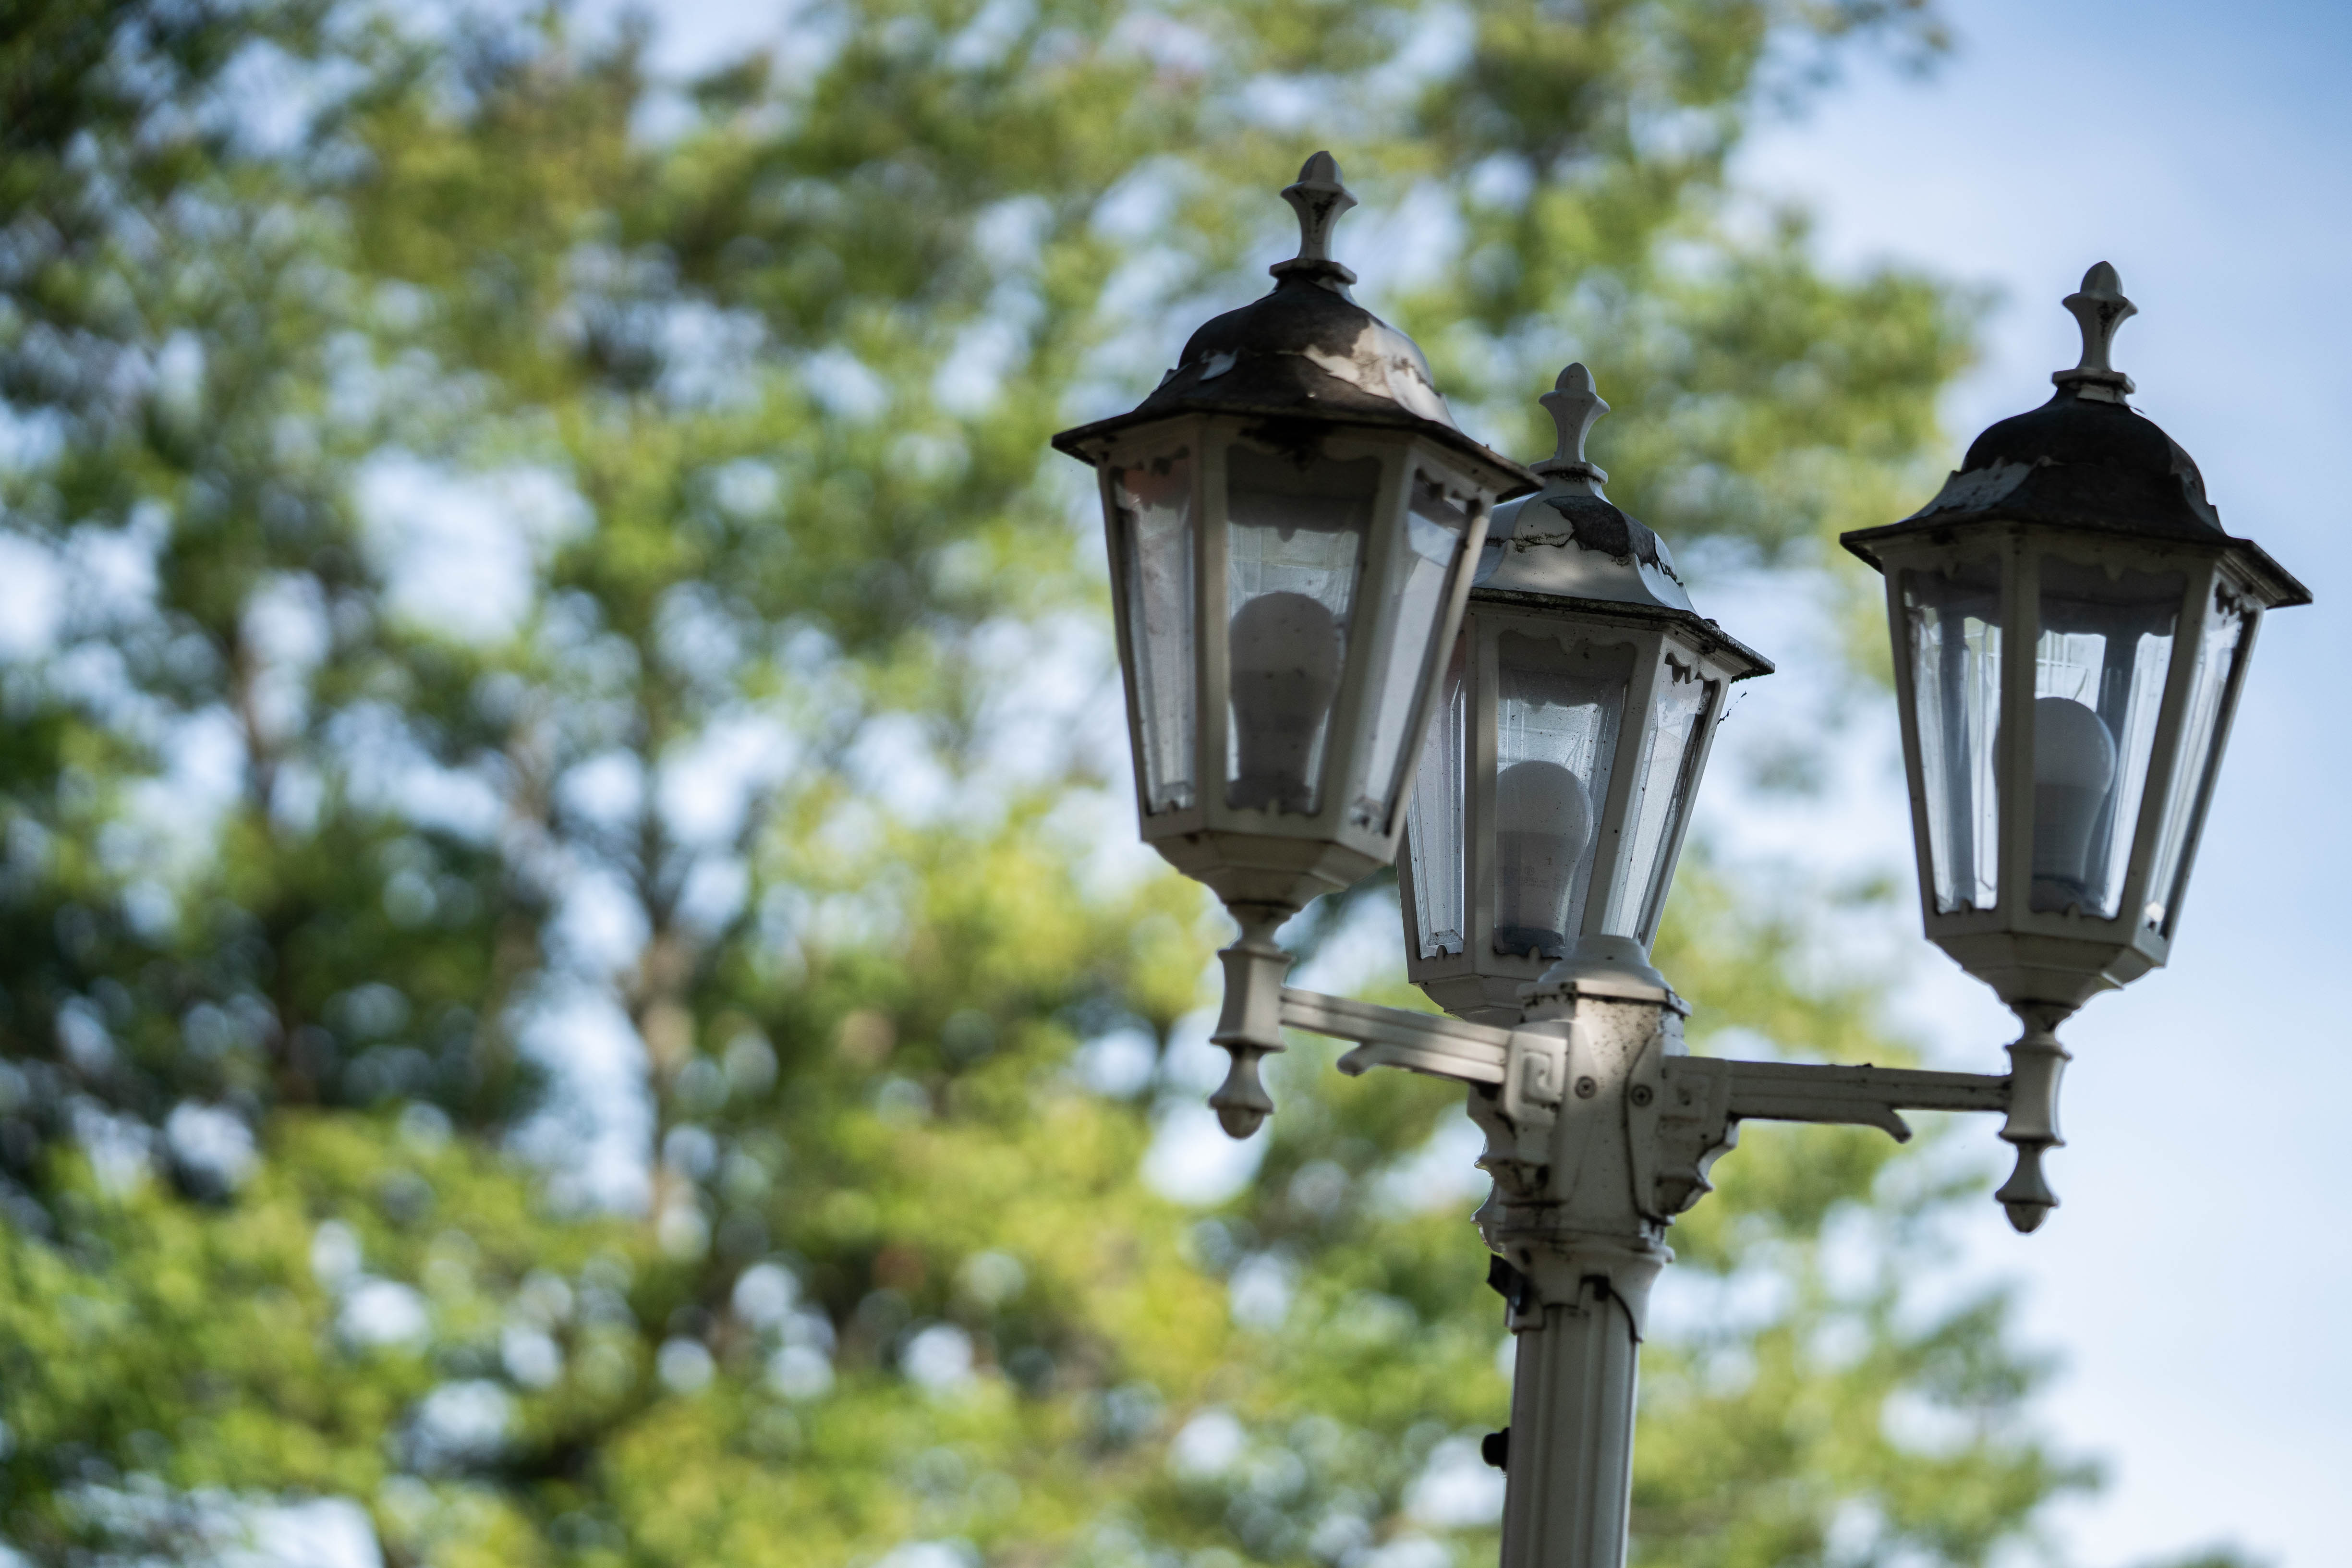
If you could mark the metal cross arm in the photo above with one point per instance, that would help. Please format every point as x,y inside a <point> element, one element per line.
<point>1682,1112</point>
<point>1691,1116</point>
<point>1520,1075</point>
<point>1394,1037</point>
<point>1810,1092</point>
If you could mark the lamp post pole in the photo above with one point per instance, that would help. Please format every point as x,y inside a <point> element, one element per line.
<point>1580,1255</point>
<point>1600,1128</point>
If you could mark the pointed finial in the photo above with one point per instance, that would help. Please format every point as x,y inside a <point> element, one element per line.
<point>2099,307</point>
<point>1576,406</point>
<point>1318,198</point>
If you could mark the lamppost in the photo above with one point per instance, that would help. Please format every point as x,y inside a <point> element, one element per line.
<point>1296,529</point>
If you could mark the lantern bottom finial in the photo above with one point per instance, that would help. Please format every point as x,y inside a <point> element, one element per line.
<point>1249,1025</point>
<point>2036,1062</point>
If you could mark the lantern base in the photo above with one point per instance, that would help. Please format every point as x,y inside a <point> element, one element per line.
<point>1603,966</point>
<point>1479,998</point>
<point>1258,870</point>
<point>2065,971</point>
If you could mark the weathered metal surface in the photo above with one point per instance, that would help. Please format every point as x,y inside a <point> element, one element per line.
<point>1306,352</point>
<point>1391,1037</point>
<point>1570,547</point>
<point>2037,1062</point>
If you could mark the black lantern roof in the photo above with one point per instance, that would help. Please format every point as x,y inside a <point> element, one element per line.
<point>2085,460</point>
<point>1305,352</point>
<point>1569,541</point>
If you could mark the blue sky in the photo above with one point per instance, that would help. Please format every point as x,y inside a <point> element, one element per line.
<point>2193,1282</point>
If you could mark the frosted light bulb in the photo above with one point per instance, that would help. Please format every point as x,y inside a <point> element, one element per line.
<point>1543,823</point>
<point>1285,653</point>
<point>2073,769</point>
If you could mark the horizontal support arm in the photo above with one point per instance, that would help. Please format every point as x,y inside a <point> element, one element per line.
<point>1521,1072</point>
<point>1851,1095</point>
<point>1701,1101</point>
<point>1392,1037</point>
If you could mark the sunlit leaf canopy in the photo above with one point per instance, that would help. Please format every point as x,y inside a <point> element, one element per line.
<point>578,986</point>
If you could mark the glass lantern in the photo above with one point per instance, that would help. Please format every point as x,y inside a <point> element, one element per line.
<point>1291,534</point>
<point>1293,521</point>
<point>2071,626</point>
<point>1572,726</point>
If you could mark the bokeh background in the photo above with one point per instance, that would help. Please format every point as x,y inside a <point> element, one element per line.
<point>579,988</point>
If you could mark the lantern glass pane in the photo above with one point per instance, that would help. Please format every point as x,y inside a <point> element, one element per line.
<point>1295,550</point>
<point>1436,523</point>
<point>1661,795</point>
<point>2099,670</point>
<point>1151,503</point>
<point>1952,621</point>
<point>1558,711</point>
<point>1437,852</point>
<point>2229,618</point>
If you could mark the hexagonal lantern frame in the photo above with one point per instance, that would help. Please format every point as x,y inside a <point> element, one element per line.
<point>1299,452</point>
<point>2080,530</point>
<point>1569,579</point>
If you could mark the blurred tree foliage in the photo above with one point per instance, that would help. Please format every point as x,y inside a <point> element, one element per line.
<point>562,980</point>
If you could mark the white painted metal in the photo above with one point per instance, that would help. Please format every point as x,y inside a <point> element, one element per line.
<point>1570,1478</point>
<point>1600,1128</point>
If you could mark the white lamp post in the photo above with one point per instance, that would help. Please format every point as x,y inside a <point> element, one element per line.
<point>1294,528</point>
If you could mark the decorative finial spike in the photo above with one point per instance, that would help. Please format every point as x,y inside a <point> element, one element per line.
<point>2098,308</point>
<point>1576,406</point>
<point>1318,198</point>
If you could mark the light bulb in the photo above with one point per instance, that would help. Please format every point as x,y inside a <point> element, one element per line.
<point>2073,769</point>
<point>1543,823</point>
<point>1285,654</point>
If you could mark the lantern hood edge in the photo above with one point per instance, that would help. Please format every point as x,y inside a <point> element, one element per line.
<point>2279,588</point>
<point>1714,642</point>
<point>1279,425</point>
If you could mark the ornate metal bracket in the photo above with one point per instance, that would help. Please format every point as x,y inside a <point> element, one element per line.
<point>1683,1112</point>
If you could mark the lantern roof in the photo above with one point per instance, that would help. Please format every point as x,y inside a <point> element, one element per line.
<point>2086,461</point>
<point>1308,350</point>
<point>1571,541</point>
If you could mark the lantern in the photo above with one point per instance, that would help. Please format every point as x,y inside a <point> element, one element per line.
<point>1572,727</point>
<point>2071,626</point>
<point>1293,519</point>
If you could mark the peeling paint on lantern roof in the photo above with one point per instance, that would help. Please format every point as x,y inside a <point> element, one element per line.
<point>2085,462</point>
<point>1386,363</point>
<point>1305,353</point>
<point>1280,349</point>
<point>1592,551</point>
<point>1979,487</point>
